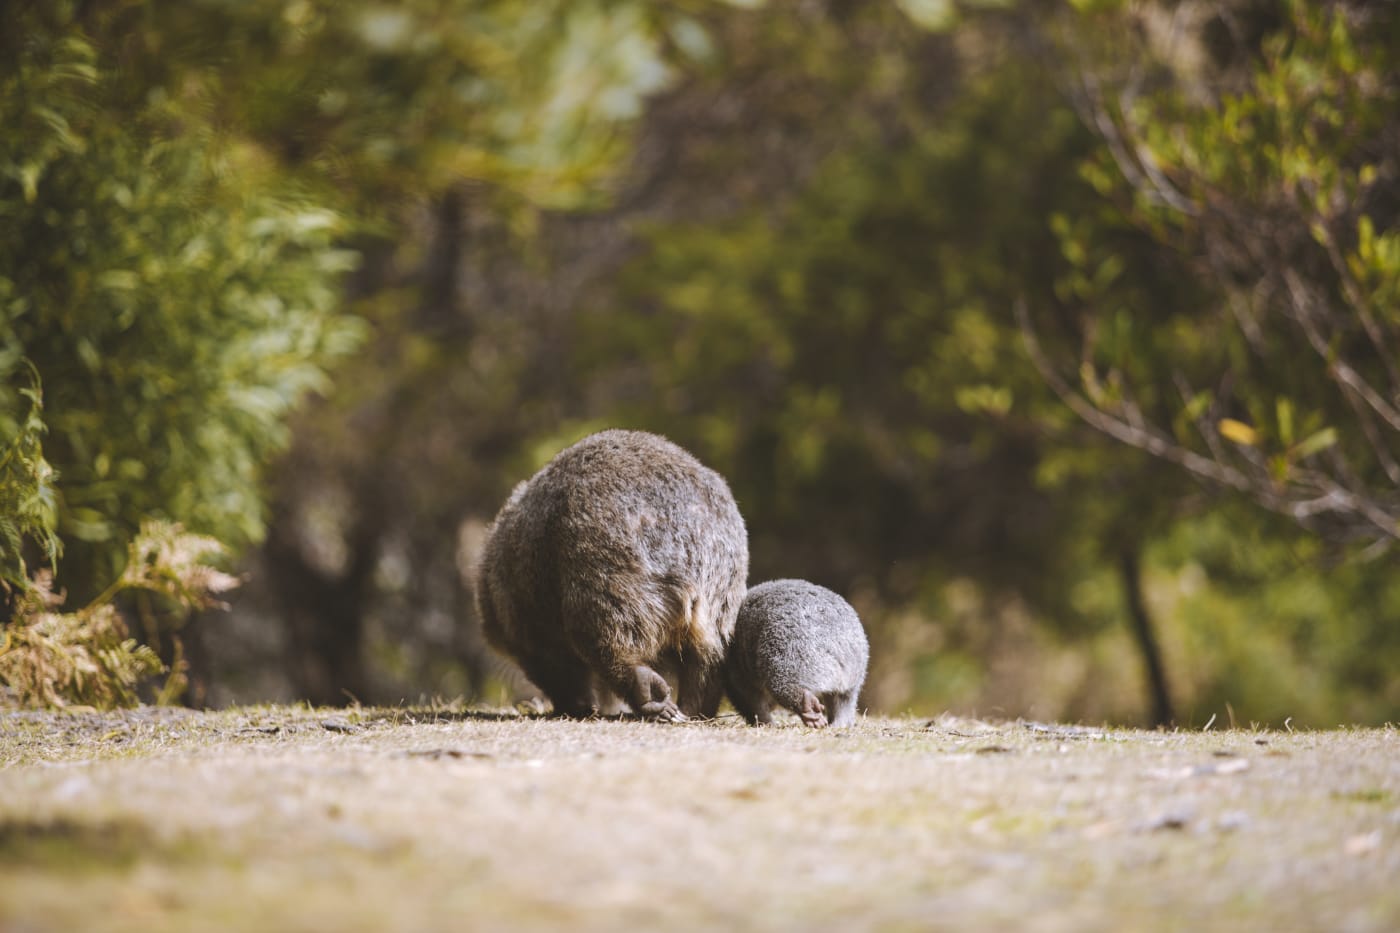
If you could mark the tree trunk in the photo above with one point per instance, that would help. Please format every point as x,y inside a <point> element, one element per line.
<point>325,613</point>
<point>1130,567</point>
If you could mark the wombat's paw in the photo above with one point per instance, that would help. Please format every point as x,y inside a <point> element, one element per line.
<point>812,712</point>
<point>662,711</point>
<point>653,699</point>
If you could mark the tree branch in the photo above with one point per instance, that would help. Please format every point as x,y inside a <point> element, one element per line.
<point>1342,372</point>
<point>1143,436</point>
<point>1313,494</point>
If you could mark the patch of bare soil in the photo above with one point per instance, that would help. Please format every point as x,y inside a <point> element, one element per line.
<point>295,819</point>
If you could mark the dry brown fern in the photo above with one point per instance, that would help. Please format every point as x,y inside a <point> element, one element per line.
<point>87,657</point>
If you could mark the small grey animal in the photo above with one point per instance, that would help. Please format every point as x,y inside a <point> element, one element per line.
<point>799,645</point>
<point>622,556</point>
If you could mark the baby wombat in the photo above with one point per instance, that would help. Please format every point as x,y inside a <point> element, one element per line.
<point>624,554</point>
<point>800,645</point>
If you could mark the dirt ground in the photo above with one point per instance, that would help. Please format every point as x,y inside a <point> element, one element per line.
<point>293,819</point>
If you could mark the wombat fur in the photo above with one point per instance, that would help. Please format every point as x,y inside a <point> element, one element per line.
<point>799,645</point>
<point>622,556</point>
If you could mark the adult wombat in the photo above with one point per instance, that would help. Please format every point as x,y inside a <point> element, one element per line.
<point>800,645</point>
<point>624,554</point>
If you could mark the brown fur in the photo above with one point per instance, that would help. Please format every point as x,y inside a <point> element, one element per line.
<point>623,556</point>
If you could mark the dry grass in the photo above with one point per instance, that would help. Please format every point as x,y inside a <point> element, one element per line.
<point>294,819</point>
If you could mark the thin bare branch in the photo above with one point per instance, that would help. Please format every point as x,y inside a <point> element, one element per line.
<point>1383,339</point>
<point>1342,372</point>
<point>1341,500</point>
<point>1373,437</point>
<point>1203,425</point>
<point>1162,186</point>
<point>1145,438</point>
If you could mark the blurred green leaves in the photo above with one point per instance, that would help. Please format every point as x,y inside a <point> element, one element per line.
<point>28,510</point>
<point>1268,172</point>
<point>849,357</point>
<point>371,100</point>
<point>178,186</point>
<point>173,312</point>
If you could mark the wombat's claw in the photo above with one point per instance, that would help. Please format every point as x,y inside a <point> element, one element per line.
<point>813,713</point>
<point>662,711</point>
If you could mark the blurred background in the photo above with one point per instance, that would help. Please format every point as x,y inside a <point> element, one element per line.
<point>1060,337</point>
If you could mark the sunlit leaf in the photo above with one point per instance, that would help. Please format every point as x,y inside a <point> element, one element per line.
<point>1284,411</point>
<point>1316,443</point>
<point>1237,431</point>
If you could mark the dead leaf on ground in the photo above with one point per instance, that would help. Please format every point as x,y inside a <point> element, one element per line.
<point>438,753</point>
<point>1174,820</point>
<point>1064,732</point>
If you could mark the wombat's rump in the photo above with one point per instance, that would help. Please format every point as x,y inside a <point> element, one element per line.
<point>624,554</point>
<point>799,645</point>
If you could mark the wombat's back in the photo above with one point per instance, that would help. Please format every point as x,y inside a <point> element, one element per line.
<point>632,501</point>
<point>795,641</point>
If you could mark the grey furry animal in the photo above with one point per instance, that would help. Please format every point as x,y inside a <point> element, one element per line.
<point>622,556</point>
<point>799,645</point>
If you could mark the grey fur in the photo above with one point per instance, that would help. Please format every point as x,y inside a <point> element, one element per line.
<point>622,556</point>
<point>800,646</point>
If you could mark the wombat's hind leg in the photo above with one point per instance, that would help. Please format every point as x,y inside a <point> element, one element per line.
<point>811,710</point>
<point>606,702</point>
<point>566,682</point>
<point>648,694</point>
<point>802,702</point>
<point>701,686</point>
<point>762,713</point>
<point>756,710</point>
<point>841,707</point>
<point>753,703</point>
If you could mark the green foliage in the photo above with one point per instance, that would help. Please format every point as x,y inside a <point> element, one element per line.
<point>175,183</point>
<point>369,103</point>
<point>1258,173</point>
<point>27,507</point>
<point>173,304</point>
<point>1269,172</point>
<point>849,357</point>
<point>86,657</point>
<point>180,186</point>
<point>1259,616</point>
<point>445,129</point>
